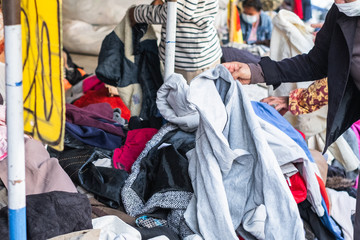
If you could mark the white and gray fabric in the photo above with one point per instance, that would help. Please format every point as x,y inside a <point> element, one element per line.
<point>232,160</point>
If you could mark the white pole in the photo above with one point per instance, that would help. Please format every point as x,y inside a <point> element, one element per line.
<point>170,38</point>
<point>15,121</point>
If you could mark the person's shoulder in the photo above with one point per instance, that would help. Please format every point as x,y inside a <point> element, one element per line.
<point>265,18</point>
<point>333,11</point>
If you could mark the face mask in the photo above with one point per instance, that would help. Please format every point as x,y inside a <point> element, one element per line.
<point>249,18</point>
<point>351,9</point>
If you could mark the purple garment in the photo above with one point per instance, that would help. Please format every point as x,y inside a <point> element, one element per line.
<point>98,115</point>
<point>94,136</point>
<point>231,54</point>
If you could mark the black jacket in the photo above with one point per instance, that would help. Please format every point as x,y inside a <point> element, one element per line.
<point>116,70</point>
<point>331,57</point>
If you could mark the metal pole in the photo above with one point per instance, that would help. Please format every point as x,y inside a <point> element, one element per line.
<point>15,120</point>
<point>170,38</point>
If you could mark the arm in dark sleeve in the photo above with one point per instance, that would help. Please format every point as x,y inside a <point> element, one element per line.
<point>305,67</point>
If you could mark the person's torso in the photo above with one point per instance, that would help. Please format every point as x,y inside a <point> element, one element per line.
<point>197,44</point>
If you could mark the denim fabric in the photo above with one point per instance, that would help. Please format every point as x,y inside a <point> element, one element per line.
<point>263,31</point>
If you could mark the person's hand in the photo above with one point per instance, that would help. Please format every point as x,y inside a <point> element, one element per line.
<point>344,1</point>
<point>281,104</point>
<point>239,71</point>
<point>132,16</point>
<point>317,25</point>
<point>157,2</point>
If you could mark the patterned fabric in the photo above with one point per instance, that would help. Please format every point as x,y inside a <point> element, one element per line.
<point>177,201</point>
<point>197,44</point>
<point>307,100</point>
<point>150,222</point>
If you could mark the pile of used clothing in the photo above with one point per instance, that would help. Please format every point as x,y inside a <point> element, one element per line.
<point>144,159</point>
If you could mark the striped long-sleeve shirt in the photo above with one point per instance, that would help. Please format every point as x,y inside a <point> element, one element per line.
<point>197,43</point>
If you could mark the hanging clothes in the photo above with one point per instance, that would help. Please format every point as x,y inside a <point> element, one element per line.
<point>129,60</point>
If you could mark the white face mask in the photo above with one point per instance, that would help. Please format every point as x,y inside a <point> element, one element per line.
<point>351,9</point>
<point>249,18</point>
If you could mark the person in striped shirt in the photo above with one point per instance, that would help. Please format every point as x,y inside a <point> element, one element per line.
<point>197,44</point>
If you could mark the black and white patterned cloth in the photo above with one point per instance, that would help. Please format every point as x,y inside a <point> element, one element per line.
<point>177,201</point>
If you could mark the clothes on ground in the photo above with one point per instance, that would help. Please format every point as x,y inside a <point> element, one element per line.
<point>102,96</point>
<point>94,136</point>
<point>173,194</point>
<point>125,156</point>
<point>222,159</point>
<point>113,227</point>
<point>42,173</point>
<point>52,214</point>
<point>99,115</point>
<point>342,209</point>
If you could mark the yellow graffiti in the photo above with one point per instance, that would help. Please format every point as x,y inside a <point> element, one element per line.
<point>44,111</point>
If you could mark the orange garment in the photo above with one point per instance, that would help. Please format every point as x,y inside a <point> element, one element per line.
<point>234,25</point>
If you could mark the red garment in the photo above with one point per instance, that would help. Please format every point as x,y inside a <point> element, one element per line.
<point>100,96</point>
<point>303,135</point>
<point>298,187</point>
<point>324,193</point>
<point>92,83</point>
<point>298,9</point>
<point>125,156</point>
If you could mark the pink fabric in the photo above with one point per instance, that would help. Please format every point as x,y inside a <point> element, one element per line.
<point>92,83</point>
<point>356,183</point>
<point>125,156</point>
<point>3,136</point>
<point>356,128</point>
<point>42,173</point>
<point>3,133</point>
<point>253,33</point>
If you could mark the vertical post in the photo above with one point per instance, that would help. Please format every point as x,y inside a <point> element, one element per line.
<point>170,38</point>
<point>15,121</point>
<point>231,22</point>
